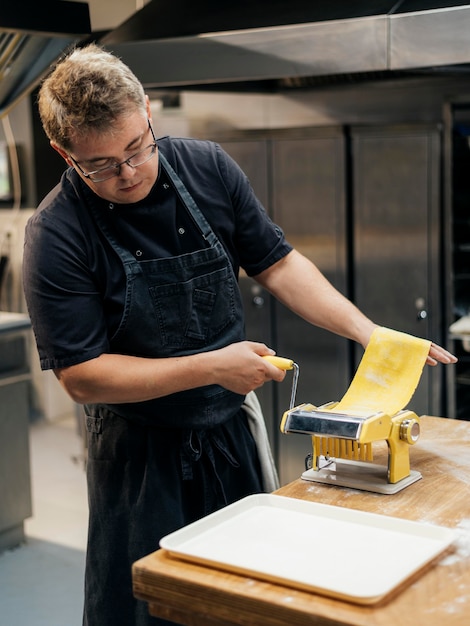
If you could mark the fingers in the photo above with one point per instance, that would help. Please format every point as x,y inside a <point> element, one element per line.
<point>437,354</point>
<point>273,372</point>
<point>267,367</point>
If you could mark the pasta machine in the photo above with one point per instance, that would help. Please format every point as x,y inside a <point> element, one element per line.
<point>342,446</point>
<point>343,442</point>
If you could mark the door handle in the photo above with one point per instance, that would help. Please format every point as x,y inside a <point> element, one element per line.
<point>422,313</point>
<point>258,302</point>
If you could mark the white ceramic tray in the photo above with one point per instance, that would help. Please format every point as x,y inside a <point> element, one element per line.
<point>353,555</point>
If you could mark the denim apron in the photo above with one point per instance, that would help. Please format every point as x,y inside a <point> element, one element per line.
<point>158,465</point>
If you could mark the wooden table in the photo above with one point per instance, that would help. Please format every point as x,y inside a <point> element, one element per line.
<point>195,595</point>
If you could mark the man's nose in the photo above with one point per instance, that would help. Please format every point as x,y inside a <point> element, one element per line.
<point>126,170</point>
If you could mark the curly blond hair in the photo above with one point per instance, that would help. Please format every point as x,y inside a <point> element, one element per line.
<point>87,91</point>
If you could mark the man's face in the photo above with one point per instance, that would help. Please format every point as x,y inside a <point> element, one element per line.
<point>129,135</point>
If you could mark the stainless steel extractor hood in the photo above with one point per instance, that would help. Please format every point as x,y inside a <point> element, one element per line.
<point>185,42</point>
<point>32,37</point>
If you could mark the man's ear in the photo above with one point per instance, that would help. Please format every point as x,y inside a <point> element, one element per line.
<point>62,153</point>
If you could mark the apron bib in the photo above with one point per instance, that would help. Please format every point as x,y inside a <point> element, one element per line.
<point>177,306</point>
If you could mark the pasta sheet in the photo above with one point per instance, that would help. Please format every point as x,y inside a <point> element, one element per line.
<point>388,374</point>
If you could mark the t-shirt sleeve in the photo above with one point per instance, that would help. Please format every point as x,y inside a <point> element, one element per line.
<point>61,293</point>
<point>259,241</point>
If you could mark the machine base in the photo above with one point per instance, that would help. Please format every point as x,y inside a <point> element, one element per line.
<point>359,475</point>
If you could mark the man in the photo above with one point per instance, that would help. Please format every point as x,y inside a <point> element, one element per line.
<point>130,274</point>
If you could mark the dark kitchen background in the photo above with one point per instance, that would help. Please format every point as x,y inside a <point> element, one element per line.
<point>350,118</point>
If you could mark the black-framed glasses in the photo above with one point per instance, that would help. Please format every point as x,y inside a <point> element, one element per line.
<point>105,173</point>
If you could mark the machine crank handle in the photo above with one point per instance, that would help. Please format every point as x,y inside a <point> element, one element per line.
<point>286,364</point>
<point>281,362</point>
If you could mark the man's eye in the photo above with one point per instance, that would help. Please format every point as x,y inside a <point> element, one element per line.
<point>97,165</point>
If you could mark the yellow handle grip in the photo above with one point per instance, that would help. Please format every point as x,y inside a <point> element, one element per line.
<point>280,362</point>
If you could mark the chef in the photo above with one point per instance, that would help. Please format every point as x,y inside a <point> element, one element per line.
<point>130,276</point>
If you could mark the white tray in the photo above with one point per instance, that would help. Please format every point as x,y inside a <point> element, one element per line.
<point>352,555</point>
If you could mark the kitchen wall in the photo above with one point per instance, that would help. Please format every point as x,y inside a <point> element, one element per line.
<point>206,115</point>
<point>350,100</point>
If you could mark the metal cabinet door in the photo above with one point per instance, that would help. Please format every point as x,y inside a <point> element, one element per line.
<point>309,204</point>
<point>396,174</point>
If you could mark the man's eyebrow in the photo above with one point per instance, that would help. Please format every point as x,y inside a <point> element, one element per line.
<point>131,143</point>
<point>128,147</point>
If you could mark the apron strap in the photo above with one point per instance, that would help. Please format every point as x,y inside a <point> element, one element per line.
<point>188,201</point>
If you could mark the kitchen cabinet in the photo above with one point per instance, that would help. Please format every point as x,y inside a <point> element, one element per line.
<point>458,244</point>
<point>15,480</point>
<point>395,250</point>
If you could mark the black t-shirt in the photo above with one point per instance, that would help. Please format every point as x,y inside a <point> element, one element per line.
<point>74,282</point>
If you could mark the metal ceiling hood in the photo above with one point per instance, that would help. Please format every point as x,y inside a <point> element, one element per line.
<point>185,42</point>
<point>31,39</point>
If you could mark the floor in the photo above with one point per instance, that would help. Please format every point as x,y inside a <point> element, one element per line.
<point>41,581</point>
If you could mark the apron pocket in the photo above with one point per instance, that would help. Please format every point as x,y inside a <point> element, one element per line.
<point>192,313</point>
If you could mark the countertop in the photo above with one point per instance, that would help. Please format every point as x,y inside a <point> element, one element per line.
<point>196,595</point>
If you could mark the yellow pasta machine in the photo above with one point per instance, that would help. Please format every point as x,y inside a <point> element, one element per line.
<point>342,446</point>
<point>344,433</point>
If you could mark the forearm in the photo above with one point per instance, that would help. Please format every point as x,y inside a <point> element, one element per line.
<point>116,378</point>
<point>297,283</point>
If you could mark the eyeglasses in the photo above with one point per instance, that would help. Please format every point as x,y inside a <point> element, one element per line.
<point>137,159</point>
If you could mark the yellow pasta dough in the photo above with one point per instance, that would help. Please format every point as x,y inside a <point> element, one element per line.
<point>388,374</point>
